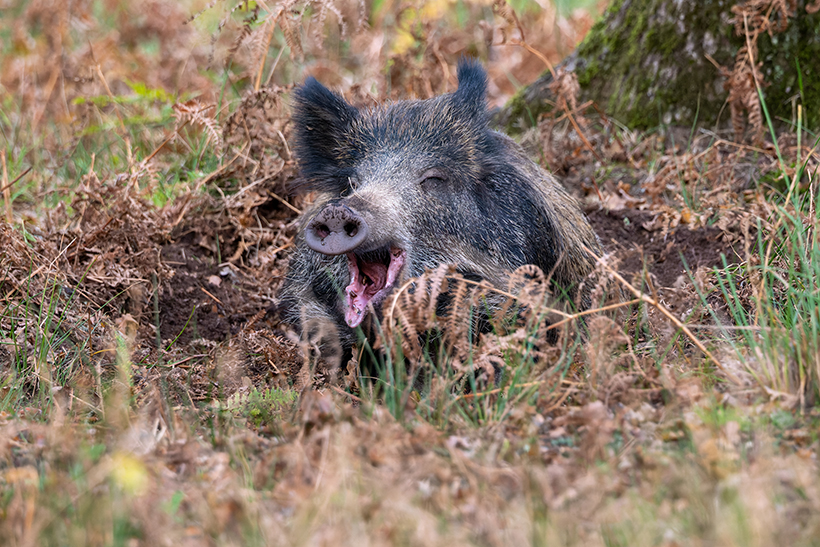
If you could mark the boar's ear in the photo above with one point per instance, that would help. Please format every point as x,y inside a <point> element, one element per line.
<point>471,94</point>
<point>321,119</point>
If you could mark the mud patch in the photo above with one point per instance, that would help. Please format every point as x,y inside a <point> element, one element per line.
<point>201,300</point>
<point>665,255</point>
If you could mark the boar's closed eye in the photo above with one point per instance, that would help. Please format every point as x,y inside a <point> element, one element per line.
<point>433,179</point>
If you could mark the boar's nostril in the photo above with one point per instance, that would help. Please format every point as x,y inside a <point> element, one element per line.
<point>322,231</point>
<point>335,230</point>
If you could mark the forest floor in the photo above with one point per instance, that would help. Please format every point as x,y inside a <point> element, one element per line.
<point>151,395</point>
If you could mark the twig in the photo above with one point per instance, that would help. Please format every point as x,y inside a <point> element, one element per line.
<point>591,311</point>
<point>537,53</point>
<point>273,194</point>
<point>274,65</point>
<point>285,203</point>
<point>219,171</point>
<point>166,141</point>
<point>346,394</point>
<point>574,123</point>
<point>560,400</point>
<point>49,89</point>
<point>719,141</point>
<point>212,296</point>
<point>264,54</point>
<point>12,183</point>
<point>498,390</point>
<point>586,143</point>
<point>281,248</point>
<point>6,192</point>
<point>181,362</point>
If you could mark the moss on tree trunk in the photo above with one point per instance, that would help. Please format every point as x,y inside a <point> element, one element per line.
<point>645,63</point>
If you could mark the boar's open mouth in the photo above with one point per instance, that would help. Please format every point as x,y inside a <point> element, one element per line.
<point>372,277</point>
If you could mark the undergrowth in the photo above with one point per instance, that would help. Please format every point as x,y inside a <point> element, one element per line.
<point>150,394</point>
<point>774,298</point>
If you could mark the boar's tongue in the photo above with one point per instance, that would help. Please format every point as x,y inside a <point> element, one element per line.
<point>370,283</point>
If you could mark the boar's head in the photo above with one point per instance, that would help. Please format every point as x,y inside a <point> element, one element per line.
<point>410,185</point>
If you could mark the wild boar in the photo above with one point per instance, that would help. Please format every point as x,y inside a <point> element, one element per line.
<point>410,185</point>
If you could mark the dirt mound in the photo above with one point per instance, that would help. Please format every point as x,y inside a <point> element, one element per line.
<point>201,299</point>
<point>640,245</point>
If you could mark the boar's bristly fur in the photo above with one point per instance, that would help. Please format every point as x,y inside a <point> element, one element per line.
<point>410,185</point>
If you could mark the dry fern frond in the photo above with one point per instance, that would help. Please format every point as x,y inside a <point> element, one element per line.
<point>501,8</point>
<point>288,22</point>
<point>257,130</point>
<point>324,8</point>
<point>786,9</point>
<point>439,299</point>
<point>751,19</point>
<point>201,114</point>
<point>530,283</point>
<point>256,30</point>
<point>320,342</point>
<point>258,42</point>
<point>437,284</point>
<point>459,313</point>
<point>361,22</point>
<point>673,170</point>
<point>419,303</point>
<point>566,89</point>
<point>410,334</point>
<point>743,93</point>
<point>414,310</point>
<point>197,14</point>
<point>247,28</point>
<point>480,325</point>
<point>771,16</point>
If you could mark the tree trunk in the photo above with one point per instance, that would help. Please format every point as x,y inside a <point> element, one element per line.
<point>647,62</point>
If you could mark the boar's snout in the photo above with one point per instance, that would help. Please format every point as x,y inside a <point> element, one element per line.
<point>335,230</point>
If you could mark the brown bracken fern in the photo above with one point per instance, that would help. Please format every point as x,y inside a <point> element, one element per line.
<point>752,18</point>
<point>293,18</point>
<point>477,324</point>
<point>195,112</point>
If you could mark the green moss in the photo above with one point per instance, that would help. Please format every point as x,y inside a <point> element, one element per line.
<point>791,68</point>
<point>645,61</point>
<point>521,108</point>
<point>524,108</point>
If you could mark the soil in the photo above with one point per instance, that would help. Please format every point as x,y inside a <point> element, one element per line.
<point>225,300</point>
<point>202,299</point>
<point>665,255</point>
<point>193,304</point>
